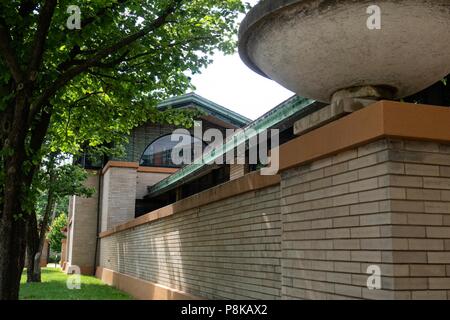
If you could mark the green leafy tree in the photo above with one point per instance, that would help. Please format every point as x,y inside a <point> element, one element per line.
<point>89,86</point>
<point>53,183</point>
<point>56,235</point>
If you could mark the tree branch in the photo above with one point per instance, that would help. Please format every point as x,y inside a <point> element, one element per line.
<point>170,45</point>
<point>84,23</point>
<point>85,97</point>
<point>112,63</point>
<point>8,54</point>
<point>102,53</point>
<point>99,76</point>
<point>39,131</point>
<point>45,18</point>
<point>100,13</point>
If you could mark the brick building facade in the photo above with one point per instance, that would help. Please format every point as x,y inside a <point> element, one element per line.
<point>374,193</point>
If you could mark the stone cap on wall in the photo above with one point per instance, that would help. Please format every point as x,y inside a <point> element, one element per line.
<point>250,182</point>
<point>381,119</point>
<point>135,165</point>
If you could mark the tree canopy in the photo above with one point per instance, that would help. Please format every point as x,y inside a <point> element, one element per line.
<point>90,86</point>
<point>106,77</point>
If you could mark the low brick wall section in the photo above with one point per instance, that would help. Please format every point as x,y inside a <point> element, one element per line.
<point>313,236</point>
<point>386,204</point>
<point>229,249</point>
<point>368,190</point>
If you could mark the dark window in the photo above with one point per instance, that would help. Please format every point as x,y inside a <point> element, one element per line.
<point>159,152</point>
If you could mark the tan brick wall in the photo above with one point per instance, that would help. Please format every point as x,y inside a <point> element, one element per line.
<point>229,249</point>
<point>237,171</point>
<point>118,196</point>
<point>385,204</point>
<point>83,229</point>
<point>146,179</point>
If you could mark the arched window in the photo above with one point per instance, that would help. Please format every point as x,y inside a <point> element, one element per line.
<point>159,152</point>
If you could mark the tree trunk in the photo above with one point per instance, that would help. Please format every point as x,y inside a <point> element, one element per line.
<point>12,251</point>
<point>32,249</point>
<point>37,239</point>
<point>13,238</point>
<point>35,244</point>
<point>33,266</point>
<point>14,191</point>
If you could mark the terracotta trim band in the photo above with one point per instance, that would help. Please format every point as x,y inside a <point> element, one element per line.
<point>141,289</point>
<point>120,164</point>
<point>157,170</point>
<point>250,182</point>
<point>382,119</point>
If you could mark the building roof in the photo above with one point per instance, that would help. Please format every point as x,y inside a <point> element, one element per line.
<point>192,99</point>
<point>288,111</point>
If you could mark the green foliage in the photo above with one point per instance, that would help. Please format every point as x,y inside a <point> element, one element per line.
<point>65,180</point>
<point>61,179</point>
<point>54,257</point>
<point>55,235</point>
<point>94,84</point>
<point>96,106</point>
<point>107,100</point>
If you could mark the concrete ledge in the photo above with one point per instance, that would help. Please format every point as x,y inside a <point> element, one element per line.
<point>382,119</point>
<point>247,183</point>
<point>141,289</point>
<point>334,111</point>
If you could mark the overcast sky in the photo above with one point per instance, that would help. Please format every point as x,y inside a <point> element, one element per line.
<point>230,83</point>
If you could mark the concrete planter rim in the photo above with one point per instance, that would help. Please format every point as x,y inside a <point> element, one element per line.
<point>320,76</point>
<point>262,11</point>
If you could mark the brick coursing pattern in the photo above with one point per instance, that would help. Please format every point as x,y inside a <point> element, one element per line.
<point>386,203</point>
<point>83,230</point>
<point>230,249</point>
<point>145,180</point>
<point>237,171</point>
<point>118,197</point>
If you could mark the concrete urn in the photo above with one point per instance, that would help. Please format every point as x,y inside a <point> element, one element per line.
<point>321,48</point>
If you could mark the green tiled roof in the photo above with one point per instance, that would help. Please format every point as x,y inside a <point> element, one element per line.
<point>293,106</point>
<point>209,106</point>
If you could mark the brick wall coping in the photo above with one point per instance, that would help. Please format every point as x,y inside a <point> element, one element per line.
<point>382,119</point>
<point>135,165</point>
<point>120,164</point>
<point>250,182</point>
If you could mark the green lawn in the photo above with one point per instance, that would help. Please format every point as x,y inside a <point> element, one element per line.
<point>54,287</point>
